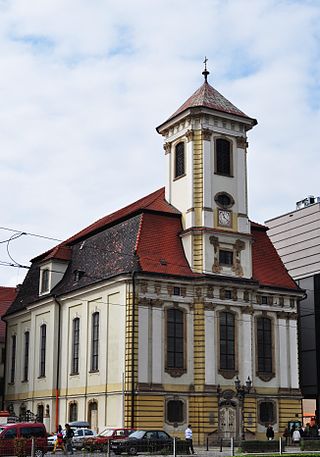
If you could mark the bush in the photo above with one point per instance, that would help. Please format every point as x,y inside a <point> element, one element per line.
<point>260,446</point>
<point>310,445</point>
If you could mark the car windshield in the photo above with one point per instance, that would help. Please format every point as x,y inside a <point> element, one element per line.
<point>138,435</point>
<point>107,432</point>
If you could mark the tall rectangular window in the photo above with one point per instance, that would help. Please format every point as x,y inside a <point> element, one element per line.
<point>13,358</point>
<point>26,356</point>
<point>95,342</point>
<point>175,338</point>
<point>227,341</point>
<point>223,157</point>
<point>75,345</point>
<point>264,336</point>
<point>43,341</point>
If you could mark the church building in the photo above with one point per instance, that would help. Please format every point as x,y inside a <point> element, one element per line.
<point>173,310</point>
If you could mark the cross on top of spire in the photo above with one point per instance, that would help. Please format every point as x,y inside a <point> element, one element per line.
<point>205,71</point>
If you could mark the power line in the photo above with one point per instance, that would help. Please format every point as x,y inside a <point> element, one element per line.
<point>37,235</point>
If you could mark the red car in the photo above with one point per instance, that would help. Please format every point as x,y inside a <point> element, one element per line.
<point>100,442</point>
<point>17,438</point>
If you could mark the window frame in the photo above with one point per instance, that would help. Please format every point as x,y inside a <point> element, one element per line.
<point>219,158</point>
<point>45,281</point>
<point>175,371</point>
<point>13,358</point>
<point>26,356</point>
<point>183,413</point>
<point>227,371</point>
<point>73,411</point>
<point>179,153</point>
<point>95,330</point>
<point>274,410</point>
<point>43,347</point>
<point>229,253</point>
<point>261,372</point>
<point>75,346</point>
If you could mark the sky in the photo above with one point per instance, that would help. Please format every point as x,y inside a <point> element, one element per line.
<point>84,83</point>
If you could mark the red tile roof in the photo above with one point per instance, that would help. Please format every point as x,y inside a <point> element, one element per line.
<point>208,97</point>
<point>7,295</point>
<point>60,252</point>
<point>159,246</point>
<point>152,202</point>
<point>268,268</point>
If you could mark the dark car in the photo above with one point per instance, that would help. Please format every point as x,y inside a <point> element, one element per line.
<point>100,442</point>
<point>145,441</point>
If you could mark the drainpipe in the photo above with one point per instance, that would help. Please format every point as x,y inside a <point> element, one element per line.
<point>58,361</point>
<point>132,347</point>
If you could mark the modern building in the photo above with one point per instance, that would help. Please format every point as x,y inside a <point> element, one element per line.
<point>296,236</point>
<point>7,295</point>
<point>173,310</point>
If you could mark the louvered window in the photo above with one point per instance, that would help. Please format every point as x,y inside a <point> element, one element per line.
<point>223,157</point>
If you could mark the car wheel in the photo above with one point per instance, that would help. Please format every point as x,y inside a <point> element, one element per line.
<point>132,450</point>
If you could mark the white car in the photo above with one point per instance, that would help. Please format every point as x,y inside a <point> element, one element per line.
<point>80,434</point>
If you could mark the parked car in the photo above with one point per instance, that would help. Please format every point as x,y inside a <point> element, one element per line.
<point>80,435</point>
<point>100,441</point>
<point>147,441</point>
<point>27,430</point>
<point>51,439</point>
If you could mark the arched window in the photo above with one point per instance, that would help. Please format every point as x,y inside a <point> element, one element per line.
<point>43,341</point>
<point>175,411</point>
<point>264,344</point>
<point>40,412</point>
<point>223,157</point>
<point>75,345</point>
<point>227,341</point>
<point>45,281</point>
<point>73,412</point>
<point>179,160</point>
<point>175,338</point>
<point>95,342</point>
<point>93,414</point>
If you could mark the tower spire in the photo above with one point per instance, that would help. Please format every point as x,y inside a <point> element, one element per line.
<point>205,71</point>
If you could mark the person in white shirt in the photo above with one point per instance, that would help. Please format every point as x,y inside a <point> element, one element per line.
<point>188,436</point>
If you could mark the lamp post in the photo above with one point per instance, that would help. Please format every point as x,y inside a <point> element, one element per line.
<point>242,391</point>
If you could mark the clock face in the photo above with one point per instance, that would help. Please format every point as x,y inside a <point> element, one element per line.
<point>224,218</point>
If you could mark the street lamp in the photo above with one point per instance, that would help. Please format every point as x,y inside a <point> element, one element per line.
<point>242,391</point>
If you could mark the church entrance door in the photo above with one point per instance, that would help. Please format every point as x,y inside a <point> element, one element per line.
<point>228,421</point>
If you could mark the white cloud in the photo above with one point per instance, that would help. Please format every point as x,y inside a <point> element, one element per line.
<point>84,84</point>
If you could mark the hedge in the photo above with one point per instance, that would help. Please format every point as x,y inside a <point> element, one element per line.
<point>261,446</point>
<point>310,445</point>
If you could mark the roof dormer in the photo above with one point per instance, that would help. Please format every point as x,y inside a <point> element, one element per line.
<point>53,268</point>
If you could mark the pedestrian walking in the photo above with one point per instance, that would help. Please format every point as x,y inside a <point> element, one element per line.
<point>270,432</point>
<point>188,436</point>
<point>296,436</point>
<point>68,437</point>
<point>59,441</point>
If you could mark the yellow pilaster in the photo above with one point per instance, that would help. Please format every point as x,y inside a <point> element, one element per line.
<point>199,347</point>
<point>198,199</point>
<point>131,343</point>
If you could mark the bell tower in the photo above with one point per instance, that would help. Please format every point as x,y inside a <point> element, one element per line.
<point>205,143</point>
